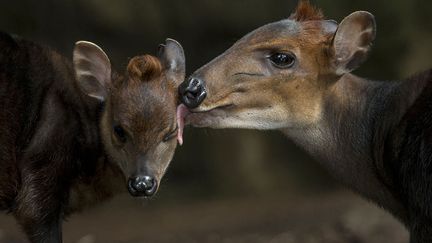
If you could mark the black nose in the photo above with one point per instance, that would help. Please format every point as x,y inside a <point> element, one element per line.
<point>142,186</point>
<point>192,92</point>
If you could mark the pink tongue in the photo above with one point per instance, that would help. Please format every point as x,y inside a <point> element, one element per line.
<point>182,112</point>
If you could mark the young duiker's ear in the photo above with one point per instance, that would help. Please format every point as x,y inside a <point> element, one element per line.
<point>172,57</point>
<point>92,69</point>
<point>352,41</point>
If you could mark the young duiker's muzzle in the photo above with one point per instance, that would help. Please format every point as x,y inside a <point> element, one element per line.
<point>142,186</point>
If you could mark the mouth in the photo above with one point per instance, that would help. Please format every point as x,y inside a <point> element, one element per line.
<point>186,116</point>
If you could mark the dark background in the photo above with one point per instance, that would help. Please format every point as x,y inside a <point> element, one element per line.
<point>225,185</point>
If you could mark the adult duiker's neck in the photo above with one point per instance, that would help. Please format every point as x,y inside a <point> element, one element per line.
<point>349,139</point>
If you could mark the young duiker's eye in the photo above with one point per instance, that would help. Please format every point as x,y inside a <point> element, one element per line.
<point>282,60</point>
<point>170,135</point>
<point>120,133</point>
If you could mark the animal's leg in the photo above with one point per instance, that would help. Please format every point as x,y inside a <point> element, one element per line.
<point>47,231</point>
<point>39,206</point>
<point>421,231</point>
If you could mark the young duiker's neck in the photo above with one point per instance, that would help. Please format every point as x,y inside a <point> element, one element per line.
<point>349,139</point>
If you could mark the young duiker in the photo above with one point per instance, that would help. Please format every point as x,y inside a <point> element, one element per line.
<point>294,76</point>
<point>75,134</point>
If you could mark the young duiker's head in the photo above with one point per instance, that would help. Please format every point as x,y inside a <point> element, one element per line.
<point>138,124</point>
<point>276,76</point>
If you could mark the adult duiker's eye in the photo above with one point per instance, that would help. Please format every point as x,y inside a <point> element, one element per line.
<point>120,133</point>
<point>282,60</point>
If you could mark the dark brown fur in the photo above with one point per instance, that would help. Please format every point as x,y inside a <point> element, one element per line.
<point>44,147</point>
<point>52,158</point>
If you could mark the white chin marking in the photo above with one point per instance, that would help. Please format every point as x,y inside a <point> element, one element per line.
<point>222,120</point>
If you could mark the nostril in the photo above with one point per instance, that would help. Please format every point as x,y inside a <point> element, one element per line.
<point>194,86</point>
<point>141,186</point>
<point>195,82</point>
<point>151,186</point>
<point>190,95</point>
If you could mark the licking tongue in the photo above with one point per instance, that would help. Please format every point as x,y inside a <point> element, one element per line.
<point>182,112</point>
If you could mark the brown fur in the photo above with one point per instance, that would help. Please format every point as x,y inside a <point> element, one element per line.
<point>144,67</point>
<point>305,11</point>
<point>57,153</point>
<point>375,137</point>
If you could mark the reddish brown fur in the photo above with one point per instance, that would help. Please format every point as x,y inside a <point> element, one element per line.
<point>144,67</point>
<point>306,12</point>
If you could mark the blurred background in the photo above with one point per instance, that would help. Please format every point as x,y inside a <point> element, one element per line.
<point>225,185</point>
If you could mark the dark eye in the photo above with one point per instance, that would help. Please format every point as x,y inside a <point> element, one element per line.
<point>170,135</point>
<point>120,133</point>
<point>282,60</point>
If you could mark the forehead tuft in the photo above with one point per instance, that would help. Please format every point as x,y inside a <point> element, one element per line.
<point>305,11</point>
<point>144,68</point>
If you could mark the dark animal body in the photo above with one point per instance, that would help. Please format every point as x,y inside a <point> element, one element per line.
<point>408,160</point>
<point>294,76</point>
<point>66,129</point>
<point>49,139</point>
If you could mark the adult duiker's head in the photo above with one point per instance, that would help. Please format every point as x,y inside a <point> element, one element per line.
<point>276,76</point>
<point>138,124</point>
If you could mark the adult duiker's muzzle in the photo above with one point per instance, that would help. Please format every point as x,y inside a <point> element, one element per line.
<point>192,92</point>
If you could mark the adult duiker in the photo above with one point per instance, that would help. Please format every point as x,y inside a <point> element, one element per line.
<point>294,75</point>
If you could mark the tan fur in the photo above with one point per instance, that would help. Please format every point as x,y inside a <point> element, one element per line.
<point>341,119</point>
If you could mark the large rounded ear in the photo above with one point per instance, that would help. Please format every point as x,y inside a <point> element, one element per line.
<point>352,41</point>
<point>92,69</point>
<point>172,57</point>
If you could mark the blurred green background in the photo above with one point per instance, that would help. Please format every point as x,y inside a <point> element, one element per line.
<point>225,185</point>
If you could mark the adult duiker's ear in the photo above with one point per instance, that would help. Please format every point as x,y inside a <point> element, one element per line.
<point>172,57</point>
<point>352,40</point>
<point>92,69</point>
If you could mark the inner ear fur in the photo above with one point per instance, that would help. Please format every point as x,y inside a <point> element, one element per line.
<point>92,69</point>
<point>353,40</point>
